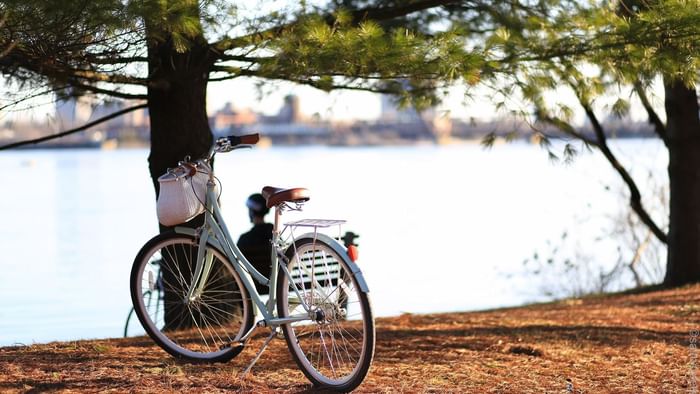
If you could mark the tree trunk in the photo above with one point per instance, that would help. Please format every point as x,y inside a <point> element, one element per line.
<point>177,106</point>
<point>683,128</point>
<point>179,128</point>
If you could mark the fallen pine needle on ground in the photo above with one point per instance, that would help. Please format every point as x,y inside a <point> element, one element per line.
<point>625,343</point>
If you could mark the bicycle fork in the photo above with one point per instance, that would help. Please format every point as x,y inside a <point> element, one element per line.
<point>201,271</point>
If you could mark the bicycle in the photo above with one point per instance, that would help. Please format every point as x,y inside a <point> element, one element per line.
<point>206,303</point>
<point>155,295</point>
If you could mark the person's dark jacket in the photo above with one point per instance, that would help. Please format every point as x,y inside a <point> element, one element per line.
<point>255,246</point>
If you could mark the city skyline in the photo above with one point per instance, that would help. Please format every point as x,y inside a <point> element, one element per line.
<point>335,106</point>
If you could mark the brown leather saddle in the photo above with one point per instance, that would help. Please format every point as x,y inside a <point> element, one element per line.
<point>277,195</point>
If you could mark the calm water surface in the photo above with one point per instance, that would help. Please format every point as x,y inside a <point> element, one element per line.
<point>440,227</point>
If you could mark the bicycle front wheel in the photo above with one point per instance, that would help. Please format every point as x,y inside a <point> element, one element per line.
<point>334,347</point>
<point>197,318</point>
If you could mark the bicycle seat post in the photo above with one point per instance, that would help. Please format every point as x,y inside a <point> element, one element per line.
<point>278,214</point>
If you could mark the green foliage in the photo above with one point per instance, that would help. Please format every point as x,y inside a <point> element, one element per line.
<point>377,46</point>
<point>178,20</point>
<point>538,52</point>
<point>53,41</point>
<point>545,43</point>
<point>367,56</point>
<point>620,108</point>
<point>528,48</point>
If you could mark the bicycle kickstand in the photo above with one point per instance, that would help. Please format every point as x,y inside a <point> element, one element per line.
<point>257,356</point>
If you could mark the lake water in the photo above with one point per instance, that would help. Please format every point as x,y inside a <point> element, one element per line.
<point>441,227</point>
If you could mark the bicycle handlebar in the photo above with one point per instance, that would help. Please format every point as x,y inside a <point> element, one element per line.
<point>249,139</point>
<point>231,142</point>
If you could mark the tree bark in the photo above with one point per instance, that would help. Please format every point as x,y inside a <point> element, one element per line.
<point>177,106</point>
<point>683,128</point>
<point>179,127</point>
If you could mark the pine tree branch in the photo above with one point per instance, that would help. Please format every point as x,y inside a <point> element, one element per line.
<point>326,87</point>
<point>18,59</point>
<point>317,84</point>
<point>635,195</point>
<point>567,129</point>
<point>357,16</point>
<point>109,92</point>
<point>659,126</point>
<point>248,72</point>
<point>31,96</point>
<point>118,60</point>
<point>385,13</point>
<point>75,130</point>
<point>250,59</point>
<point>97,76</point>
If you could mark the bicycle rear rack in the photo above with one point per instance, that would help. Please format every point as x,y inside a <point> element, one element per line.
<point>315,223</point>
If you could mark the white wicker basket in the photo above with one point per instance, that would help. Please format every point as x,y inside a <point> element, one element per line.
<point>182,194</point>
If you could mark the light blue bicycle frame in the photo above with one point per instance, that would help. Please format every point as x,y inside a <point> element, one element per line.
<point>215,233</point>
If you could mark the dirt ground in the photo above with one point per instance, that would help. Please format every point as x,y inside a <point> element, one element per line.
<point>634,343</point>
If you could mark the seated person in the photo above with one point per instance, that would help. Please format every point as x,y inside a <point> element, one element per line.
<point>255,244</point>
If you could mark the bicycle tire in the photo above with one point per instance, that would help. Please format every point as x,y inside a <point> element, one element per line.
<point>204,328</point>
<point>128,321</point>
<point>334,326</point>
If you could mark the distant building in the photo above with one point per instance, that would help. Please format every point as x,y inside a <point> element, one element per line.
<point>77,111</point>
<point>229,119</point>
<point>391,113</point>
<point>290,113</point>
<point>72,112</point>
<point>409,123</point>
<point>288,125</point>
<point>138,118</point>
<point>132,127</point>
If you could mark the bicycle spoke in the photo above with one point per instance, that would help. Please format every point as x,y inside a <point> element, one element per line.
<point>201,334</point>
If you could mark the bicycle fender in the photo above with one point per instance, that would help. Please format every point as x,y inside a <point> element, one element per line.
<point>340,250</point>
<point>185,230</point>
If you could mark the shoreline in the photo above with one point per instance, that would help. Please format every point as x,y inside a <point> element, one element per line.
<point>296,141</point>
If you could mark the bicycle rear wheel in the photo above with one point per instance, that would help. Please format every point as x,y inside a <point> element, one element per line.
<point>335,347</point>
<point>204,327</point>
